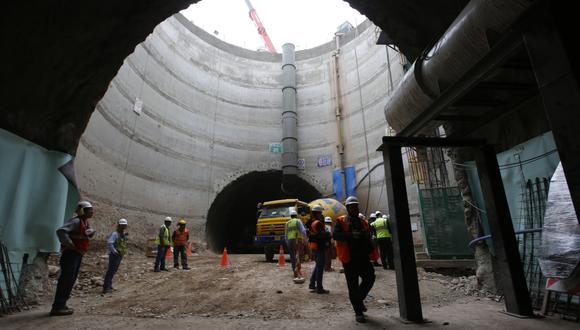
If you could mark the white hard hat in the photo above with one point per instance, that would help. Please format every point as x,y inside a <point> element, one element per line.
<point>351,200</point>
<point>378,213</point>
<point>122,222</point>
<point>372,215</point>
<point>317,208</point>
<point>84,205</point>
<point>328,219</point>
<point>168,219</point>
<point>293,212</point>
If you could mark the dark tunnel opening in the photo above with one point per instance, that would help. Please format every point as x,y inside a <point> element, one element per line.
<point>231,219</point>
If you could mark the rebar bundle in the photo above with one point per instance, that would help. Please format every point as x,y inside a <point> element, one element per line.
<point>10,298</point>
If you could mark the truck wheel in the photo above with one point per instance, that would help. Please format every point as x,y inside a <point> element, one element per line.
<point>269,254</point>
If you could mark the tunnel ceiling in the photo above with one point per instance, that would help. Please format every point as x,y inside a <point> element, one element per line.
<point>62,57</point>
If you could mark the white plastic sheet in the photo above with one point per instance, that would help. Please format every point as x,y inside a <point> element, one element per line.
<point>560,249</point>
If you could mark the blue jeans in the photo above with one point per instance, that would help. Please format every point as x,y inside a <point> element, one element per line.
<point>160,260</point>
<point>114,262</point>
<point>70,264</point>
<point>316,277</point>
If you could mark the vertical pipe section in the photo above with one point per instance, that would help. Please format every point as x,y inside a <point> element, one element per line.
<point>289,119</point>
<point>338,112</point>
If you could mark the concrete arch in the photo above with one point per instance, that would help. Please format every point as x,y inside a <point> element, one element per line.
<point>231,219</point>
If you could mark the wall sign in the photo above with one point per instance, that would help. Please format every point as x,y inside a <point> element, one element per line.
<point>301,164</point>
<point>324,160</point>
<point>275,148</point>
<point>138,106</point>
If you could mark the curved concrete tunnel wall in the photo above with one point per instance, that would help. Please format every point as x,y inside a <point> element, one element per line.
<point>210,110</point>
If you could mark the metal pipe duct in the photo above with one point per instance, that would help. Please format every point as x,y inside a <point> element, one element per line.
<point>289,118</point>
<point>465,43</point>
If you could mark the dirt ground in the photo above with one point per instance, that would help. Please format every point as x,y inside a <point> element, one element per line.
<point>252,293</point>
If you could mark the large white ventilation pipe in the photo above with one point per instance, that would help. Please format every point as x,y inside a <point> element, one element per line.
<point>464,44</point>
<point>289,119</point>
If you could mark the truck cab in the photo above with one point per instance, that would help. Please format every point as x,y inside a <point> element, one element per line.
<point>271,223</point>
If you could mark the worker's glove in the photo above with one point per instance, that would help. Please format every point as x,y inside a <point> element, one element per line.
<point>90,232</point>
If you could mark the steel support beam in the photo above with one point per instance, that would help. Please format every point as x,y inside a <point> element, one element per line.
<point>550,57</point>
<point>510,269</point>
<point>403,248</point>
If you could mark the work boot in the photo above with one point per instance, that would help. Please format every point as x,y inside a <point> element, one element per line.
<point>164,269</point>
<point>176,266</point>
<point>156,270</point>
<point>61,311</point>
<point>360,318</point>
<point>186,268</point>
<point>323,291</point>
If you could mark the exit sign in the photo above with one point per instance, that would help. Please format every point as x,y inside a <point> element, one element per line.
<point>275,148</point>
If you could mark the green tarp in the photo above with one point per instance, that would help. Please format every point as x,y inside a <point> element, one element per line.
<point>35,197</point>
<point>537,157</point>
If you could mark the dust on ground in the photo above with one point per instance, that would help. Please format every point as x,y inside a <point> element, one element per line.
<point>249,293</point>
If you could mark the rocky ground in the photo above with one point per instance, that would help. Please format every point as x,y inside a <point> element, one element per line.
<point>249,293</point>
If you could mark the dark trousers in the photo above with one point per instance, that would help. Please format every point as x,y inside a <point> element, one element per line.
<point>177,250</point>
<point>318,271</point>
<point>114,263</point>
<point>70,264</point>
<point>160,260</point>
<point>386,249</point>
<point>360,267</point>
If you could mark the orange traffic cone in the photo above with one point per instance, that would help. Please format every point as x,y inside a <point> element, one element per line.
<point>224,261</point>
<point>189,248</point>
<point>281,257</point>
<point>168,254</point>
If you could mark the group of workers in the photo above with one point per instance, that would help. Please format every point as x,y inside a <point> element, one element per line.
<point>179,239</point>
<point>357,243</point>
<point>75,236</point>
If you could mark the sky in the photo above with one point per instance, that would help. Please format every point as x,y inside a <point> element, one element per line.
<point>305,23</point>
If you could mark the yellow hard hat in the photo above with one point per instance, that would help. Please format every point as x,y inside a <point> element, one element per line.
<point>182,222</point>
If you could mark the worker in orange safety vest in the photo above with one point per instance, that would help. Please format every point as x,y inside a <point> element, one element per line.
<point>355,250</point>
<point>180,239</point>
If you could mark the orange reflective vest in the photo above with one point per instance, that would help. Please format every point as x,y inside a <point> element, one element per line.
<point>314,230</point>
<point>342,249</point>
<point>180,238</point>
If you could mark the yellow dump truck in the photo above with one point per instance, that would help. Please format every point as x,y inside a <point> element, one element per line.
<point>273,215</point>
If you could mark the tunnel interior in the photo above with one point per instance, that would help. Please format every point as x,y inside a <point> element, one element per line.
<point>231,219</point>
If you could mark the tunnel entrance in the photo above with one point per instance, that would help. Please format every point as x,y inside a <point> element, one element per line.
<point>231,219</point>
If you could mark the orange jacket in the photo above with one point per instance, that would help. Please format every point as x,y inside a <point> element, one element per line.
<point>180,238</point>
<point>342,247</point>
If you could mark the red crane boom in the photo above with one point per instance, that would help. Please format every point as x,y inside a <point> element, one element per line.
<point>261,30</point>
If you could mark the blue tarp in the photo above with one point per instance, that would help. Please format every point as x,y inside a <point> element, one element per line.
<point>350,173</point>
<point>337,184</point>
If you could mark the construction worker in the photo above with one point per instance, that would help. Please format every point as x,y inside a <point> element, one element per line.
<point>180,239</point>
<point>162,242</point>
<point>117,246</point>
<point>295,233</point>
<point>319,242</point>
<point>355,250</point>
<point>382,228</point>
<point>74,239</point>
<point>330,251</point>
<point>372,219</point>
